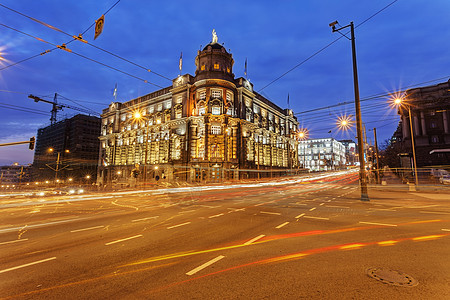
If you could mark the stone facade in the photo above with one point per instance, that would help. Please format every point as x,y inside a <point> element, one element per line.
<point>207,127</point>
<point>430,115</point>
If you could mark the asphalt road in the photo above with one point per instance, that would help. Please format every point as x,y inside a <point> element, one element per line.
<point>299,239</point>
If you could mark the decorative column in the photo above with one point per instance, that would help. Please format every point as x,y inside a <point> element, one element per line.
<point>445,120</point>
<point>422,119</point>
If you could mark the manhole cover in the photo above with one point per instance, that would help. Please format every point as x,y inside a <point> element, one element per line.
<point>391,277</point>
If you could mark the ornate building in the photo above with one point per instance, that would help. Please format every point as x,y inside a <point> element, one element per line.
<point>207,127</point>
<point>429,107</point>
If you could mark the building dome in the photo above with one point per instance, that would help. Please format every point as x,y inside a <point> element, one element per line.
<point>214,62</point>
<point>215,46</point>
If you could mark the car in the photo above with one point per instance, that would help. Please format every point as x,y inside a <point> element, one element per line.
<point>74,190</point>
<point>444,179</point>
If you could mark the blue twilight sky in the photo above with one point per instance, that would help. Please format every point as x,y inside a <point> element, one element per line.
<point>405,45</point>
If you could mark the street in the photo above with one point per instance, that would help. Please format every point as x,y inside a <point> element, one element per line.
<point>297,238</point>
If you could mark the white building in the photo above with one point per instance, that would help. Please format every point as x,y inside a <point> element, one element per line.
<point>321,154</point>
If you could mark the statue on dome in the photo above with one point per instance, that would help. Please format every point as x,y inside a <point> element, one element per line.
<point>214,37</point>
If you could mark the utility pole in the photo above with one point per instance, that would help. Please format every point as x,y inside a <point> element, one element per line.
<point>362,167</point>
<point>377,155</point>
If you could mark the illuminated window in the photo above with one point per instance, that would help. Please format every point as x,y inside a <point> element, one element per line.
<point>229,96</point>
<point>215,129</point>
<point>215,110</point>
<point>216,93</point>
<point>216,66</point>
<point>202,68</point>
<point>202,95</point>
<point>158,120</point>
<point>228,70</point>
<point>178,113</point>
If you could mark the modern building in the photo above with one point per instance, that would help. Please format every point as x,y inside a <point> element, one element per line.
<point>68,149</point>
<point>430,115</point>
<point>322,154</point>
<point>351,152</point>
<point>207,127</point>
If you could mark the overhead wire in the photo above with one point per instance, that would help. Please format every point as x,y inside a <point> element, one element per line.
<point>80,38</point>
<point>63,47</point>
<point>323,48</point>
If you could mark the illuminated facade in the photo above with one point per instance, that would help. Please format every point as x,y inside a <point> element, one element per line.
<point>207,127</point>
<point>322,154</point>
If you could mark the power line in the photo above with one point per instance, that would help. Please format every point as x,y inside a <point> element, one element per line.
<point>80,38</point>
<point>24,109</point>
<point>63,47</point>
<point>323,48</point>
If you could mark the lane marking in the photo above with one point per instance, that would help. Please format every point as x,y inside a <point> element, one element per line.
<point>143,219</point>
<point>259,204</point>
<point>381,224</point>
<point>444,229</point>
<point>299,216</point>
<point>281,225</point>
<point>320,218</point>
<point>434,212</point>
<point>26,265</point>
<point>15,241</point>
<point>122,240</point>
<point>199,268</point>
<point>170,227</point>
<point>312,208</point>
<point>215,216</point>
<point>270,213</point>
<point>337,206</point>
<point>254,239</point>
<point>321,203</point>
<point>77,230</point>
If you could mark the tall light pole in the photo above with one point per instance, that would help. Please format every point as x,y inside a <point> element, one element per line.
<point>58,162</point>
<point>399,102</point>
<point>362,169</point>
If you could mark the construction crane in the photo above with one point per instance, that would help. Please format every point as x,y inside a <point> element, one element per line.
<point>57,106</point>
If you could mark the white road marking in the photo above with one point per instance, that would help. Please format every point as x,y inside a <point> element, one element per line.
<point>170,227</point>
<point>434,212</point>
<point>444,229</point>
<point>122,240</point>
<point>26,265</point>
<point>77,230</point>
<point>143,219</point>
<point>254,239</point>
<point>383,209</point>
<point>320,218</point>
<point>312,208</point>
<point>259,204</point>
<point>346,187</point>
<point>336,206</point>
<point>299,216</point>
<point>215,216</point>
<point>15,241</point>
<point>207,264</point>
<point>281,225</point>
<point>321,203</point>
<point>381,224</point>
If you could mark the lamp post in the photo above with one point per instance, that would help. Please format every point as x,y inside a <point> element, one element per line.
<point>399,102</point>
<point>362,169</point>
<point>58,162</point>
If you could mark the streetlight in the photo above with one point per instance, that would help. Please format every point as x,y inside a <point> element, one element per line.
<point>362,169</point>
<point>399,102</point>
<point>303,134</point>
<point>58,161</point>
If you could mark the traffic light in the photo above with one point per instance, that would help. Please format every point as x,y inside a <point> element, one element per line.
<point>135,173</point>
<point>32,142</point>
